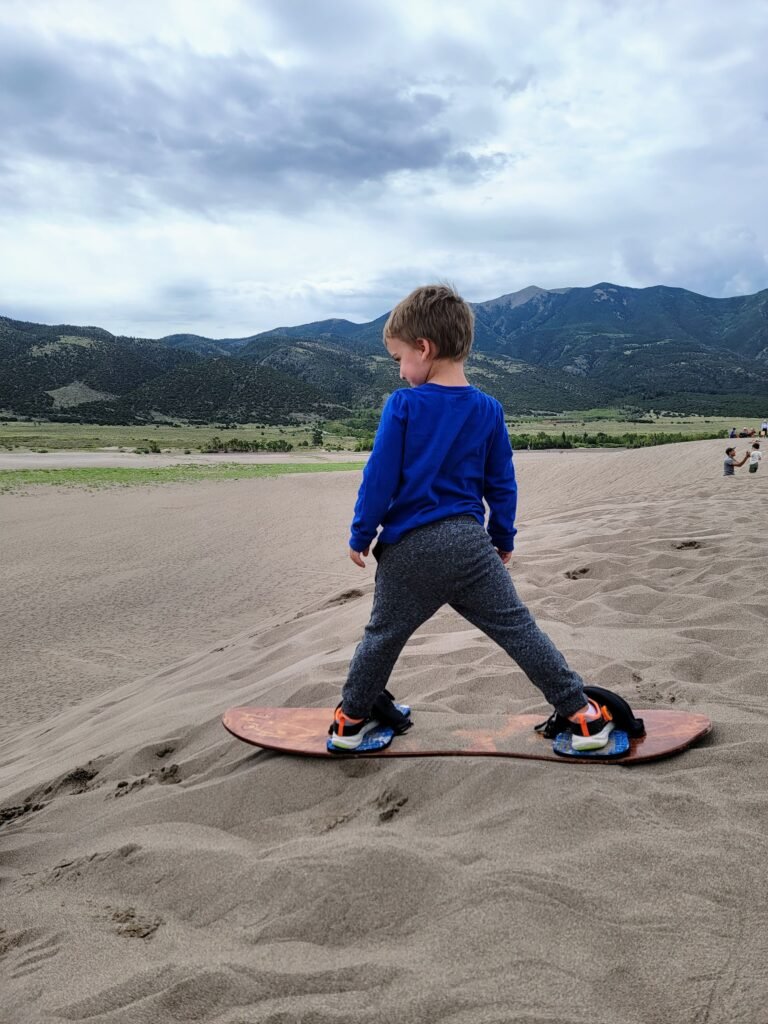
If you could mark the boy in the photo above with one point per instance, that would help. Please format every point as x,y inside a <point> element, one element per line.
<point>442,447</point>
<point>730,465</point>
<point>755,457</point>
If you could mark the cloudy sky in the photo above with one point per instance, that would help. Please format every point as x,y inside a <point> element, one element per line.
<point>223,168</point>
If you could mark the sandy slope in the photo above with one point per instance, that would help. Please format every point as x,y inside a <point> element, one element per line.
<point>182,876</point>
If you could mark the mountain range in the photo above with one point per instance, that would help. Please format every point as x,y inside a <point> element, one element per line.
<point>536,350</point>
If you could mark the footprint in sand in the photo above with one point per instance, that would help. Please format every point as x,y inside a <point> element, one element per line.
<point>693,544</point>
<point>576,574</point>
<point>133,925</point>
<point>650,693</point>
<point>390,804</point>
<point>75,782</point>
<point>79,780</point>
<point>167,775</point>
<point>347,595</point>
<point>19,810</point>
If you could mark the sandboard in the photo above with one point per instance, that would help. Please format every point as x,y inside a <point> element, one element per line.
<point>304,731</point>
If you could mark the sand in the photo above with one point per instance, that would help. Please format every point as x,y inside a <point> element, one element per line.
<point>154,869</point>
<point>111,458</point>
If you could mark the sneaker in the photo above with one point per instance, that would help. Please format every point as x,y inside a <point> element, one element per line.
<point>348,733</point>
<point>591,731</point>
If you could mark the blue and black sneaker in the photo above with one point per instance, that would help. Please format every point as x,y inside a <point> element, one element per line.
<point>348,733</point>
<point>591,730</point>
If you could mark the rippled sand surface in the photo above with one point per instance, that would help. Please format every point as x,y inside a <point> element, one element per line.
<point>154,869</point>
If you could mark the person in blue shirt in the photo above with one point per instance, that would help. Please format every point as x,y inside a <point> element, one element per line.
<point>441,449</point>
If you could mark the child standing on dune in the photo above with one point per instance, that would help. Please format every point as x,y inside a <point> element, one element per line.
<point>441,448</point>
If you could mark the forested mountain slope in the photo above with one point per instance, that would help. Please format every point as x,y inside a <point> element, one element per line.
<point>536,350</point>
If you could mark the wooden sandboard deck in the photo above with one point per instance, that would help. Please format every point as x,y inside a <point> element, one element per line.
<point>304,731</point>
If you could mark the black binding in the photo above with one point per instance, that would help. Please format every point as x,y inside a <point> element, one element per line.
<point>622,714</point>
<point>385,712</point>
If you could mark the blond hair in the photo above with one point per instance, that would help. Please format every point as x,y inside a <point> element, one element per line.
<point>436,312</point>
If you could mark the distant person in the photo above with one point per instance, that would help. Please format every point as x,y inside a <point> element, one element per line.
<point>764,428</point>
<point>732,432</point>
<point>747,432</point>
<point>755,457</point>
<point>730,464</point>
<point>441,448</point>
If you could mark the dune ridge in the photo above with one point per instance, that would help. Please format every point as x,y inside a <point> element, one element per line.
<point>154,869</point>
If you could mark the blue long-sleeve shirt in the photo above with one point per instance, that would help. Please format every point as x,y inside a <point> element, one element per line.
<point>438,452</point>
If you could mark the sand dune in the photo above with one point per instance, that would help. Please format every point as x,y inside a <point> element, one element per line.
<point>153,869</point>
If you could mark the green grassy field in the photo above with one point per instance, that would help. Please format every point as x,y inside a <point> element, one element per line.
<point>42,435</point>
<point>18,479</point>
<point>611,421</point>
<point>339,435</point>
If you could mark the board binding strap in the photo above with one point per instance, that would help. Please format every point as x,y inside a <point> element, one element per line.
<point>626,727</point>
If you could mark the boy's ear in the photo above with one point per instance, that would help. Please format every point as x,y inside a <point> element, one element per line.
<point>427,347</point>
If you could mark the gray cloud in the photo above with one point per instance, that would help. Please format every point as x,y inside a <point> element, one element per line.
<point>323,28</point>
<point>279,161</point>
<point>209,133</point>
<point>509,87</point>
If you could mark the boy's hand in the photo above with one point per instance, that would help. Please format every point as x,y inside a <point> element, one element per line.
<point>356,556</point>
<point>504,555</point>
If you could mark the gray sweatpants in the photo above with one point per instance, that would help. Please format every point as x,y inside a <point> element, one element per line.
<point>453,562</point>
